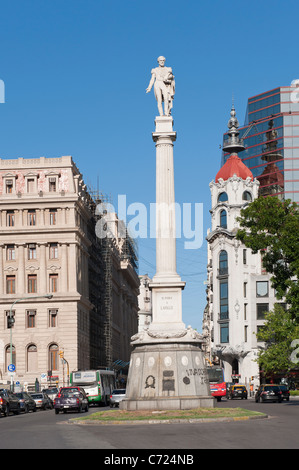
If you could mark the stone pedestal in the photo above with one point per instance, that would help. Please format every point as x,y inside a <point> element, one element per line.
<point>167,372</point>
<point>167,369</point>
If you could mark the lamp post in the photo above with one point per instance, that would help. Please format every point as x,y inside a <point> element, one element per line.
<point>11,321</point>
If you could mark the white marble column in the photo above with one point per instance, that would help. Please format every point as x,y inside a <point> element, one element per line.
<point>166,285</point>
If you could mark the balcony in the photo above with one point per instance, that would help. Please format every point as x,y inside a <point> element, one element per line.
<point>223,271</point>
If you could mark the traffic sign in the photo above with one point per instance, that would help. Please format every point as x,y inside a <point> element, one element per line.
<point>11,368</point>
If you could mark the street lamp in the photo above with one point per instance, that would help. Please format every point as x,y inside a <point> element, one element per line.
<point>11,321</point>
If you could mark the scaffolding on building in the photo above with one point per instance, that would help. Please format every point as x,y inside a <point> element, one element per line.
<point>107,247</point>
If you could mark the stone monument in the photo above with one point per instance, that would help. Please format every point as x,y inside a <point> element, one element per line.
<point>167,368</point>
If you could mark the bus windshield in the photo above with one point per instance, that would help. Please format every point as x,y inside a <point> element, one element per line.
<point>215,375</point>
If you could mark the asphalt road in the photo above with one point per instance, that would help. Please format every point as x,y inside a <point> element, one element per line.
<point>45,430</point>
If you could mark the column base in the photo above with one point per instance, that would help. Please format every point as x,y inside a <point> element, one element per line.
<point>167,374</point>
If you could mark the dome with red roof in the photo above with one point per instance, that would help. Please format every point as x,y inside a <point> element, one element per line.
<point>233,166</point>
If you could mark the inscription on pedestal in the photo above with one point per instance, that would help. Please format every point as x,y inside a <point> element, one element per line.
<point>166,303</point>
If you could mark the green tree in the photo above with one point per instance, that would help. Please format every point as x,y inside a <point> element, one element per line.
<point>271,226</point>
<point>278,333</point>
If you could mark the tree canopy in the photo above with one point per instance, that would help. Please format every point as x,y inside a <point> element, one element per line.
<point>271,226</point>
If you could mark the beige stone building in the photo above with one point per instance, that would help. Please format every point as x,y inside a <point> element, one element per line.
<point>48,245</point>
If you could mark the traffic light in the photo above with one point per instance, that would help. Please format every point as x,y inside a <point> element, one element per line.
<point>10,321</point>
<point>61,354</point>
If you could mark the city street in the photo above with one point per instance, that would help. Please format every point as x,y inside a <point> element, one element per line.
<point>45,430</point>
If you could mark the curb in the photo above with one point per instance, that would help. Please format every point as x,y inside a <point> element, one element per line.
<point>165,421</point>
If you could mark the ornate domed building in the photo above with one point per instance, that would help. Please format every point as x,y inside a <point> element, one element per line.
<point>238,288</point>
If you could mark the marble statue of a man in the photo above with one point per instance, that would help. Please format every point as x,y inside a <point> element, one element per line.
<point>164,86</point>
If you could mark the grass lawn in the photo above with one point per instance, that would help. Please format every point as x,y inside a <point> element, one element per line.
<point>116,415</point>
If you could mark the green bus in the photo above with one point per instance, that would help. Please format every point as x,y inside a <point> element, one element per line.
<point>98,384</point>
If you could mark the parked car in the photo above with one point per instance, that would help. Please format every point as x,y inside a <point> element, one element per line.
<point>42,400</point>
<point>117,396</point>
<point>268,392</point>
<point>9,402</point>
<point>70,400</point>
<point>51,392</point>
<point>285,392</point>
<point>238,391</point>
<point>26,402</point>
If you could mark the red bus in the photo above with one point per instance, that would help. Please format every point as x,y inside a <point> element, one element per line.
<point>217,383</point>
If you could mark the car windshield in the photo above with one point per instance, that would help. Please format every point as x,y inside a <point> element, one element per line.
<point>70,393</point>
<point>239,388</point>
<point>119,392</point>
<point>283,387</point>
<point>37,395</point>
<point>271,388</point>
<point>19,395</point>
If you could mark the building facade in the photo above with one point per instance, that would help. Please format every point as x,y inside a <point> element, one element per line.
<point>239,290</point>
<point>271,141</point>
<point>48,246</point>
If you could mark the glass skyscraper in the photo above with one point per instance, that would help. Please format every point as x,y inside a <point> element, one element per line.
<point>270,136</point>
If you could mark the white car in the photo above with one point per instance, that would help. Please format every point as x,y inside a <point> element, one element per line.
<point>117,396</point>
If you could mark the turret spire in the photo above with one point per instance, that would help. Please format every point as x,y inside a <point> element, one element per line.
<point>233,144</point>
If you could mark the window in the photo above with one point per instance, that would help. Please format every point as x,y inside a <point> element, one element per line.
<point>223,219</point>
<point>262,289</point>
<point>30,185</point>
<point>223,197</point>
<point>30,318</point>
<point>8,186</point>
<point>223,300</point>
<point>10,218</point>
<point>247,196</point>
<point>53,318</point>
<point>32,283</point>
<point>224,330</point>
<point>53,283</point>
<point>10,284</point>
<point>10,253</point>
<point>245,289</point>
<point>10,356</point>
<point>223,263</point>
<point>245,311</point>
<point>32,358</point>
<point>53,250</point>
<point>32,251</point>
<point>31,220</point>
<point>53,357</point>
<point>52,184</point>
<point>260,311</point>
<point>244,256</point>
<point>245,333</point>
<point>53,216</point>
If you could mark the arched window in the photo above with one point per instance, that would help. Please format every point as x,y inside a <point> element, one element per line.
<point>32,358</point>
<point>223,218</point>
<point>10,359</point>
<point>53,357</point>
<point>223,263</point>
<point>223,197</point>
<point>247,196</point>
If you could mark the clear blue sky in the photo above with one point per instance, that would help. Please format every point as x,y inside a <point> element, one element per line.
<point>76,71</point>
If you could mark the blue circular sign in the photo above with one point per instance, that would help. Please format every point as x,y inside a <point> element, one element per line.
<point>11,368</point>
